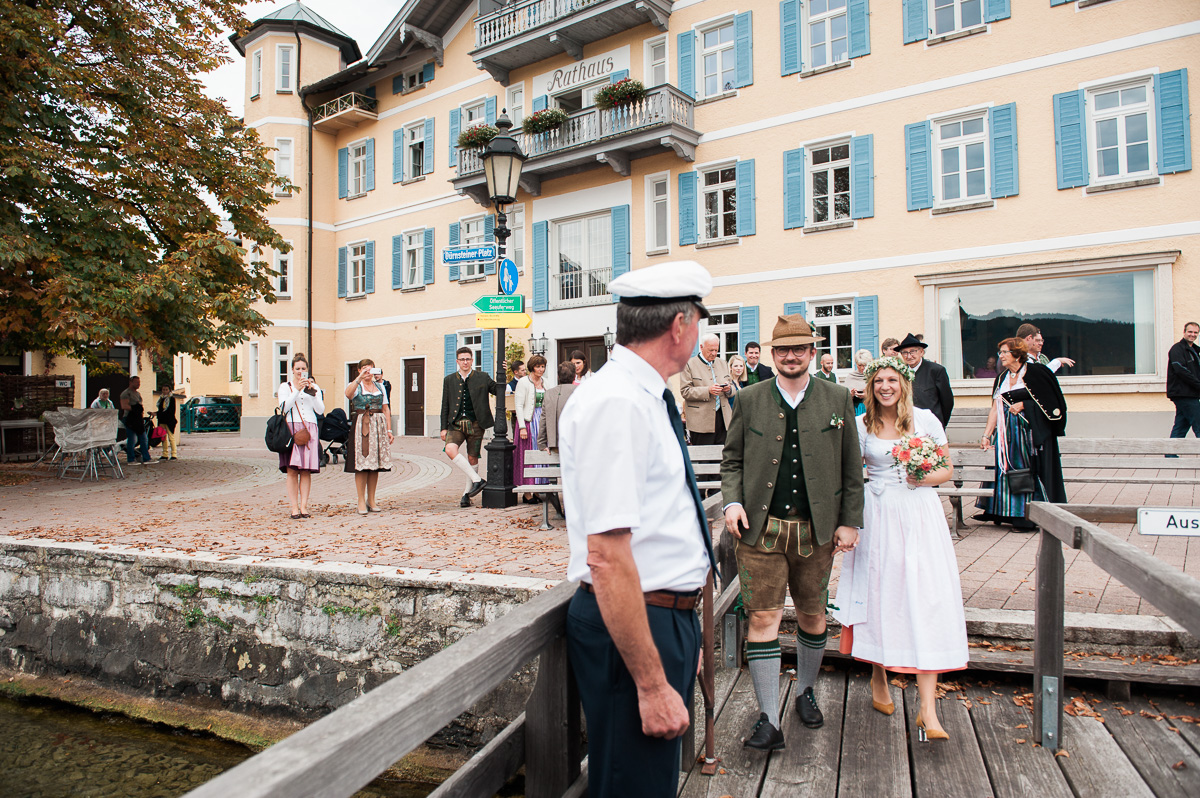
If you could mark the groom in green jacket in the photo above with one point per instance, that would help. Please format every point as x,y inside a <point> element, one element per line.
<point>791,477</point>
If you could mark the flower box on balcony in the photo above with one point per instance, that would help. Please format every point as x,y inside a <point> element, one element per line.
<point>546,119</point>
<point>623,92</point>
<point>477,136</point>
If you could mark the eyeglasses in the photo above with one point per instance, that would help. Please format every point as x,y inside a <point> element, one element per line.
<point>795,351</point>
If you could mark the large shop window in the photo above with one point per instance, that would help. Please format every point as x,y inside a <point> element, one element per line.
<point>584,261</point>
<point>1105,322</point>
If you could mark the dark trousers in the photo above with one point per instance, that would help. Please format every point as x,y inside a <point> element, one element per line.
<point>622,761</point>
<point>714,438</point>
<point>1187,417</point>
<point>137,440</point>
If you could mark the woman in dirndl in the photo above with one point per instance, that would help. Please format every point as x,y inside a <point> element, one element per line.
<point>302,400</point>
<point>530,394</point>
<point>370,446</point>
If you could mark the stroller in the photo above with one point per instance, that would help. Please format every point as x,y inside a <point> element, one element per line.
<point>335,428</point>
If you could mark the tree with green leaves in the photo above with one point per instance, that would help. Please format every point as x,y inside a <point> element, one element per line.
<point>125,192</point>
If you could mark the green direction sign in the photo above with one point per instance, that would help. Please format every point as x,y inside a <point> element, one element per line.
<point>500,304</point>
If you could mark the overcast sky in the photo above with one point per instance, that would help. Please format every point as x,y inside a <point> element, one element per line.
<point>363,20</point>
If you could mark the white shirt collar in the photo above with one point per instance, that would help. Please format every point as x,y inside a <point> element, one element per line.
<point>642,372</point>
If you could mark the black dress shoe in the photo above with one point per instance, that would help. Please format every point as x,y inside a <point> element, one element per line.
<point>810,713</point>
<point>466,500</point>
<point>765,737</point>
<point>477,488</point>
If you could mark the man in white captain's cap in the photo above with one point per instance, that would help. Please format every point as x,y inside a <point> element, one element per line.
<point>640,545</point>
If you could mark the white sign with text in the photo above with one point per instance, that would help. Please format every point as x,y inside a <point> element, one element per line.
<point>1155,521</point>
<point>582,72</point>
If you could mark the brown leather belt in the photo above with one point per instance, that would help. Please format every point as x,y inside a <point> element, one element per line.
<point>662,598</point>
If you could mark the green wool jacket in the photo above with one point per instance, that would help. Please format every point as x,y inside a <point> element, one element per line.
<point>833,471</point>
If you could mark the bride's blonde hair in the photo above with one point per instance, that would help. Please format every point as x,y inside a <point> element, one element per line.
<point>873,417</point>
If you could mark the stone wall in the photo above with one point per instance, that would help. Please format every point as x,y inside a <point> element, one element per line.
<point>293,638</point>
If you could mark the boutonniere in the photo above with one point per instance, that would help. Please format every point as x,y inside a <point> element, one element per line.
<point>836,421</point>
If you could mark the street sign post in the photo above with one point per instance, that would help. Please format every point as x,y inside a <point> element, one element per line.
<point>503,321</point>
<point>500,304</point>
<point>508,276</point>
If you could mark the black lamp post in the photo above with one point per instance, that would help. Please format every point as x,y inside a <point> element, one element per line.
<point>502,161</point>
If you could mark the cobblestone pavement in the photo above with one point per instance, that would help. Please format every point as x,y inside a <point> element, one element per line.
<point>225,494</point>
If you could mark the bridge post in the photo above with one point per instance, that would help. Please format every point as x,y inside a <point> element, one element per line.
<point>1048,643</point>
<point>552,726</point>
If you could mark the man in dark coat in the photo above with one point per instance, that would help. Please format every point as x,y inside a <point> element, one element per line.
<point>756,371</point>
<point>466,413</point>
<point>931,385</point>
<point>1183,382</point>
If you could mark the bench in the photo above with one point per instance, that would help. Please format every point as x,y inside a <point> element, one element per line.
<point>967,424</point>
<point>1108,461</point>
<point>706,462</point>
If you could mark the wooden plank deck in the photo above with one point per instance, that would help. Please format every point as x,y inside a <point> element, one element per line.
<point>1146,746</point>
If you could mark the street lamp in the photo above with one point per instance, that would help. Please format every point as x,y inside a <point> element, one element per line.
<point>609,339</point>
<point>502,161</point>
<point>538,346</point>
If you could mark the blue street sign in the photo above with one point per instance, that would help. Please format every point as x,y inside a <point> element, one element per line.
<point>508,276</point>
<point>461,254</point>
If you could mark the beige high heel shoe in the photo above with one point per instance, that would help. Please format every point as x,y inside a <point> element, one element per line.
<point>925,735</point>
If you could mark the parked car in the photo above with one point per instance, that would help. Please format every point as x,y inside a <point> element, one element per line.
<point>213,412</point>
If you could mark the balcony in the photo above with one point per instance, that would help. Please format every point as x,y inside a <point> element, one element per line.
<point>575,287</point>
<point>349,110</point>
<point>590,138</point>
<point>529,31</point>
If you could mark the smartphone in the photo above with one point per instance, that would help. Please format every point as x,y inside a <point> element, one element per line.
<point>304,375</point>
<point>376,372</point>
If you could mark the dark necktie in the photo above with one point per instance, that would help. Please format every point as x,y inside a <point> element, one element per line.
<point>677,424</point>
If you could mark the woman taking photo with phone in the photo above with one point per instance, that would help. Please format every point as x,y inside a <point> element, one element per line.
<point>369,449</point>
<point>302,401</point>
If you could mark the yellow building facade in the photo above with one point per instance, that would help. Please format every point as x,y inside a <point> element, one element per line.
<point>945,167</point>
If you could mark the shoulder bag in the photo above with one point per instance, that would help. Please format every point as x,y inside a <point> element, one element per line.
<point>278,437</point>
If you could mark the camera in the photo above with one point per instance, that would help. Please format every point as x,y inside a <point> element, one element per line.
<point>376,372</point>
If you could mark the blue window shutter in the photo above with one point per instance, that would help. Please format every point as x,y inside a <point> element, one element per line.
<point>795,308</point>
<point>370,267</point>
<point>490,109</point>
<point>370,92</point>
<point>541,102</point>
<point>1070,139</point>
<point>455,238</point>
<point>1060,2</point>
<point>686,44</point>
<point>618,76</point>
<point>455,125</point>
<point>370,176</point>
<point>747,326</point>
<point>488,347</point>
<point>860,27</point>
<point>489,237</point>
<point>916,21</point>
<point>1002,121</point>
<point>620,241</point>
<point>862,177</point>
<point>343,172</point>
<point>793,189</point>
<point>919,160</point>
<point>1174,133</point>
<point>341,271</point>
<point>427,72</point>
<point>743,43</point>
<point>866,324</point>
<point>398,155</point>
<point>541,266</point>
<point>744,172</point>
<point>429,145</point>
<point>790,60</point>
<point>397,84</point>
<point>687,207</point>
<point>995,10</point>
<point>449,347</point>
<point>397,262</point>
<point>427,266</point>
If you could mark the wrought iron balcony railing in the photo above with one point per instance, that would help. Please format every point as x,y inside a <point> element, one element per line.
<point>574,287</point>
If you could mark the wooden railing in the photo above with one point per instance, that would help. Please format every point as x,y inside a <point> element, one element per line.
<point>517,18</point>
<point>345,103</point>
<point>662,105</point>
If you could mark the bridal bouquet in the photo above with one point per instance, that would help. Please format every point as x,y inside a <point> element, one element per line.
<point>917,455</point>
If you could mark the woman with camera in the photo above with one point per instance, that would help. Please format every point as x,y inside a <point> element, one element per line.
<point>369,449</point>
<point>302,401</point>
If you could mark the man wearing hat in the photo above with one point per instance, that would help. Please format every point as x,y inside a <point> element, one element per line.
<point>639,541</point>
<point>931,385</point>
<point>791,476</point>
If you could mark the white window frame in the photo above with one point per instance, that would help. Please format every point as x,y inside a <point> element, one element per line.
<point>469,235</point>
<point>702,190</point>
<point>516,240</point>
<point>653,245</point>
<point>828,345</point>
<point>234,375</point>
<point>934,33</point>
<point>811,168</point>
<point>720,49</point>
<point>585,275</point>
<point>284,83</point>
<point>356,183</point>
<point>283,281</point>
<point>285,162</point>
<point>516,103</point>
<point>651,61</point>
<point>413,79</point>
<point>826,19</point>
<point>474,106</point>
<point>252,368</point>
<point>283,363</point>
<point>473,340</point>
<point>1149,108</point>
<point>722,330</point>
<point>413,258</point>
<point>356,261</point>
<point>414,136</point>
<point>982,138</point>
<point>587,96</point>
<point>256,74</point>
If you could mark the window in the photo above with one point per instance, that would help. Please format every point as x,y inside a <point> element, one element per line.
<point>584,258</point>
<point>473,233</point>
<point>234,376</point>
<point>252,368</point>
<point>658,213</point>
<point>474,114</point>
<point>718,59</point>
<point>474,341</point>
<point>719,201</point>
<point>283,67</point>
<point>656,61</point>
<point>516,241</point>
<point>358,269</point>
<point>358,168</point>
<point>960,148</point>
<point>415,78</point>
<point>579,97</point>
<point>516,104</point>
<point>1120,122</point>
<point>283,280</point>
<point>829,183</point>
<point>724,325</point>
<point>255,74</point>
<point>414,149</point>
<point>414,258</point>
<point>284,161</point>
<point>828,37</point>
<point>954,15</point>
<point>283,364</point>
<point>834,321</point>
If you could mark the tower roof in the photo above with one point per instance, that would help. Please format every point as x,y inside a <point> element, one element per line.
<point>297,16</point>
<point>298,12</point>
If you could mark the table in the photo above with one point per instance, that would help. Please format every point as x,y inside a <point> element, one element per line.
<point>22,423</point>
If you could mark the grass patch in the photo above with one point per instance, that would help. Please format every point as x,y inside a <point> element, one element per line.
<point>185,591</point>
<point>357,612</point>
<point>192,617</point>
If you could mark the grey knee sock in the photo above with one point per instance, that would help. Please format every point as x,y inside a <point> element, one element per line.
<point>764,660</point>
<point>810,650</point>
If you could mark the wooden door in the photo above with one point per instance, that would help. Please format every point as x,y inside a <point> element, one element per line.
<point>593,348</point>
<point>414,397</point>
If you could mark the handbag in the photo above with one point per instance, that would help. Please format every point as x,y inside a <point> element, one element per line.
<point>278,437</point>
<point>1020,481</point>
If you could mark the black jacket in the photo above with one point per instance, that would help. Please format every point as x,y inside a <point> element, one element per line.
<point>931,390</point>
<point>481,388</point>
<point>1047,413</point>
<point>1183,371</point>
<point>764,372</point>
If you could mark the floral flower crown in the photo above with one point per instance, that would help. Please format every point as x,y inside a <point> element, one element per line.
<point>890,362</point>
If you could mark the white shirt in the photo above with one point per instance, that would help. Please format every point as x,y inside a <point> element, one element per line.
<point>622,468</point>
<point>299,403</point>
